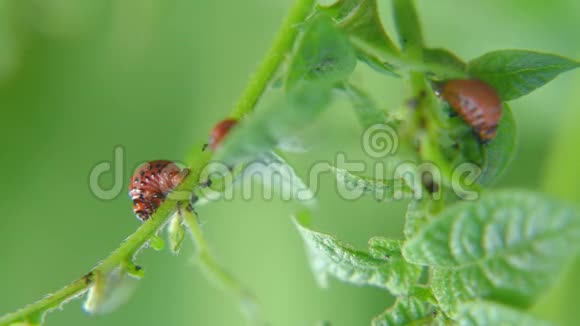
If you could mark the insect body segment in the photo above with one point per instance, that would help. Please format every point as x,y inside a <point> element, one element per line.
<point>150,185</point>
<point>219,132</point>
<point>477,103</point>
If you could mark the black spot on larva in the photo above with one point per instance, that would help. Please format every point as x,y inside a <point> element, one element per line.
<point>491,130</point>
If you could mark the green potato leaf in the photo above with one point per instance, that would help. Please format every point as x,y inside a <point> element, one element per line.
<point>360,19</point>
<point>277,175</point>
<point>406,311</point>
<point>380,189</point>
<point>383,267</point>
<point>507,246</point>
<point>281,119</point>
<point>417,217</point>
<point>324,54</point>
<point>498,154</point>
<point>408,27</point>
<point>515,73</point>
<point>377,64</point>
<point>323,58</point>
<point>487,313</point>
<point>443,57</point>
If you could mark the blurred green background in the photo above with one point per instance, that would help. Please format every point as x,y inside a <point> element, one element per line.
<point>78,78</point>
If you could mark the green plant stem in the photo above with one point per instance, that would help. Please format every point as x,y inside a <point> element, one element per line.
<point>423,120</point>
<point>129,248</point>
<point>405,63</point>
<point>126,251</point>
<point>28,313</point>
<point>282,43</point>
<point>214,270</point>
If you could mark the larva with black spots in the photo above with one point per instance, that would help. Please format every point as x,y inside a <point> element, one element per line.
<point>150,185</point>
<point>477,103</point>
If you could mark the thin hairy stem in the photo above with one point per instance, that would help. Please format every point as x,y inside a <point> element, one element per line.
<point>282,43</point>
<point>33,313</point>
<point>214,271</point>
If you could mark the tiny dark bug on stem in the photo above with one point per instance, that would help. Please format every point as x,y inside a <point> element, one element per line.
<point>476,102</point>
<point>150,185</point>
<point>219,132</point>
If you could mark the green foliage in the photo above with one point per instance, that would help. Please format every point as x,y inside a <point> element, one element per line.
<point>361,20</point>
<point>418,214</point>
<point>501,247</point>
<point>498,154</point>
<point>282,119</point>
<point>109,292</point>
<point>324,54</point>
<point>323,57</point>
<point>407,311</point>
<point>487,313</point>
<point>157,243</point>
<point>272,167</point>
<point>445,58</point>
<point>408,27</point>
<point>515,73</point>
<point>393,189</point>
<point>464,262</point>
<point>377,64</point>
<point>175,233</point>
<point>498,248</point>
<point>382,267</point>
<point>365,108</point>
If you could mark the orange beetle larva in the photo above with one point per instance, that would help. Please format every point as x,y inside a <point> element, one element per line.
<point>150,185</point>
<point>477,103</point>
<point>220,131</point>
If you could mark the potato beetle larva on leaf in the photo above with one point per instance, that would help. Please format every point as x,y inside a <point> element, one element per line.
<point>476,102</point>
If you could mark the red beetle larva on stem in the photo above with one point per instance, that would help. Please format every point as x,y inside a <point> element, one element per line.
<point>150,185</point>
<point>220,131</point>
<point>476,102</point>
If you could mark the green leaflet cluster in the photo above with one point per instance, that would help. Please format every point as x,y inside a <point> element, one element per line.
<point>507,247</point>
<point>383,266</point>
<point>488,258</point>
<point>467,257</point>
